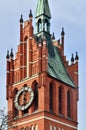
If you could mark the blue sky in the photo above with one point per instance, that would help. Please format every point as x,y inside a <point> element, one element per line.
<point>68,14</point>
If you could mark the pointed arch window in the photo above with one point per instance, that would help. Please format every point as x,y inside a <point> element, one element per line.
<point>68,104</point>
<point>39,25</point>
<point>32,127</point>
<point>36,127</point>
<point>60,100</point>
<point>36,96</point>
<point>51,97</point>
<point>51,127</point>
<point>46,25</point>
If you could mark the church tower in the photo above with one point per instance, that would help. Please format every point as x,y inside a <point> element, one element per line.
<point>43,17</point>
<point>41,85</point>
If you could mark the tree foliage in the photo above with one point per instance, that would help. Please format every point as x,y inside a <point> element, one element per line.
<point>3,120</point>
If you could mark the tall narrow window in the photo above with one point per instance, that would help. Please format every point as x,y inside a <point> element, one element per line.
<point>60,100</point>
<point>46,25</point>
<point>54,127</point>
<point>39,25</point>
<point>51,127</point>
<point>51,97</point>
<point>68,104</point>
<point>36,96</point>
<point>36,127</point>
<point>32,127</point>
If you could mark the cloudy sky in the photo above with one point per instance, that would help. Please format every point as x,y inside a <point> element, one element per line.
<point>65,13</point>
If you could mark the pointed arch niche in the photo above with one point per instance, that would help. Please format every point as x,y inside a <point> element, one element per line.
<point>61,100</point>
<point>52,96</point>
<point>39,25</point>
<point>46,25</point>
<point>69,103</point>
<point>35,102</point>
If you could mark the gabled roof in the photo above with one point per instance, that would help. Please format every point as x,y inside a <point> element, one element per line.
<point>56,68</point>
<point>43,8</point>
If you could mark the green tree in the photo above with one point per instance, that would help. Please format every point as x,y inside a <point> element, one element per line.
<point>3,120</point>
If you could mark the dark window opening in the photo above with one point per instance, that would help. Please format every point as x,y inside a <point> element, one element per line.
<point>68,104</point>
<point>39,25</point>
<point>36,96</point>
<point>51,97</point>
<point>60,100</point>
<point>46,25</point>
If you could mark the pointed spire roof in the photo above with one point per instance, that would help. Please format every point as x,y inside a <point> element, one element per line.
<point>43,8</point>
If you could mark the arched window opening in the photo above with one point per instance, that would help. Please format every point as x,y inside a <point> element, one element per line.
<point>36,127</point>
<point>51,127</point>
<point>68,104</point>
<point>36,96</point>
<point>32,127</point>
<point>51,97</point>
<point>60,100</point>
<point>54,127</point>
<point>46,25</point>
<point>39,25</point>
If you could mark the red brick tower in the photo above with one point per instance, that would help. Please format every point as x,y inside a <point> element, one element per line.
<point>42,88</point>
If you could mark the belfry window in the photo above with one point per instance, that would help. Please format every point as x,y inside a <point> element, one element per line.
<point>60,100</point>
<point>46,25</point>
<point>39,25</point>
<point>51,97</point>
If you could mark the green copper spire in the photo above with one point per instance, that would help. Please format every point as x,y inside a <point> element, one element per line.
<point>43,8</point>
<point>43,17</point>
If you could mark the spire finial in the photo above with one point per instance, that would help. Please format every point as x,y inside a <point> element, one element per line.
<point>11,53</point>
<point>30,14</point>
<point>62,33</point>
<point>72,58</point>
<point>7,56</point>
<point>53,36</point>
<point>77,57</point>
<point>21,19</point>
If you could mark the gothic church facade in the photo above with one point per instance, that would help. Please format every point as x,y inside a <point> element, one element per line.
<point>41,87</point>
